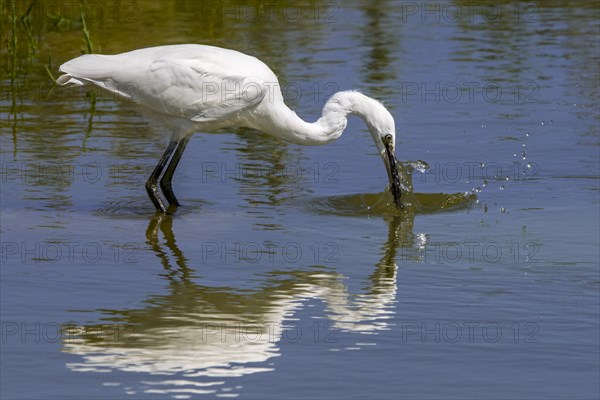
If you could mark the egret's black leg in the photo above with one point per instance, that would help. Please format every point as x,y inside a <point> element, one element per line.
<point>151,183</point>
<point>165,182</point>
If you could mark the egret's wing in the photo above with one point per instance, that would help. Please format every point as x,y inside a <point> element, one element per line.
<point>193,88</point>
<point>200,91</point>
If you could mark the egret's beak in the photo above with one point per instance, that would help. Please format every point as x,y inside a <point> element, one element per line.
<point>392,169</point>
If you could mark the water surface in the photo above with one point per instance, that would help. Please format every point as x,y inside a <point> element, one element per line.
<point>285,274</point>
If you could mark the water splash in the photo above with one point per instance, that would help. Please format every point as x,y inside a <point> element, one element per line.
<point>406,169</point>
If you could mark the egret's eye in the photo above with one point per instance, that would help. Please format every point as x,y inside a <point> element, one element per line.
<point>387,138</point>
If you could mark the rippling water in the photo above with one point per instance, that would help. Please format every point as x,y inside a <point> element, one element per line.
<point>287,273</point>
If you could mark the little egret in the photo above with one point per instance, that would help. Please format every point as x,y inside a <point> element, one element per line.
<point>192,88</point>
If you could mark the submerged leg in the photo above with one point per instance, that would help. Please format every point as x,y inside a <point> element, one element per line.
<point>165,182</point>
<point>151,183</point>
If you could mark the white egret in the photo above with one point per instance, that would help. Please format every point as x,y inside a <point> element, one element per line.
<point>192,88</point>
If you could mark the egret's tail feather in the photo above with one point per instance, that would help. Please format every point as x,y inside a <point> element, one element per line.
<point>98,70</point>
<point>82,70</point>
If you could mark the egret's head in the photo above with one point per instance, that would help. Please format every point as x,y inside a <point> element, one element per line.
<point>383,130</point>
<point>380,123</point>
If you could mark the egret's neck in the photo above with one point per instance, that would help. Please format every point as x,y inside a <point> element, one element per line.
<point>278,120</point>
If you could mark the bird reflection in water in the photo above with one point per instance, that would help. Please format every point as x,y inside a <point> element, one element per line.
<point>197,336</point>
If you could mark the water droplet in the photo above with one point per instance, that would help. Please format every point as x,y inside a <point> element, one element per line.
<point>523,154</point>
<point>485,182</point>
<point>528,165</point>
<point>523,145</point>
<point>503,210</point>
<point>527,134</point>
<point>514,155</point>
<point>501,187</point>
<point>481,164</point>
<point>483,125</point>
<point>543,123</point>
<point>420,166</point>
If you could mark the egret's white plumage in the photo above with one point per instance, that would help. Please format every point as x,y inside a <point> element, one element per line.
<point>194,88</point>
